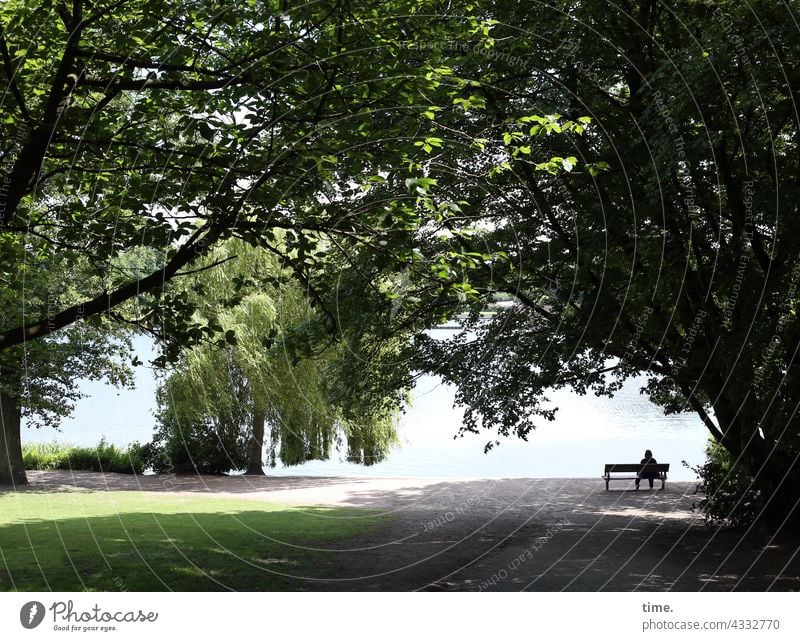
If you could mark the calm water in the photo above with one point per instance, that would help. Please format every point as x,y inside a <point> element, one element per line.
<point>587,433</point>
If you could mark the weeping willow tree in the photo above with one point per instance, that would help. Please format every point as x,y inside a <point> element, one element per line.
<point>271,382</point>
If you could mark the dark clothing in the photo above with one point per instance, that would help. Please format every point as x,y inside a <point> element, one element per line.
<point>646,475</point>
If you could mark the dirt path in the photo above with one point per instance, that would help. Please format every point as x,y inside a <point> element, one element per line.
<point>506,534</point>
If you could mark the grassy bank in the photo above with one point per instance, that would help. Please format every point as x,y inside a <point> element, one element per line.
<point>137,541</point>
<point>100,458</point>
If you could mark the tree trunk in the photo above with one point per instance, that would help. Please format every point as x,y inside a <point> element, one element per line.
<point>775,471</point>
<point>780,505</point>
<point>255,464</point>
<point>12,470</point>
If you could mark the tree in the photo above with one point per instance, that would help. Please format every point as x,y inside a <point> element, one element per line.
<point>48,387</point>
<point>39,379</point>
<point>94,151</point>
<point>673,252</point>
<point>176,126</point>
<point>276,372</point>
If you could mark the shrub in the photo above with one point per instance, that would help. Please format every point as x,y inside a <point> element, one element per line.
<point>731,498</point>
<point>197,442</point>
<point>45,456</point>
<point>103,457</point>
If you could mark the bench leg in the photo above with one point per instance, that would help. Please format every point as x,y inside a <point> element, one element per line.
<point>606,485</point>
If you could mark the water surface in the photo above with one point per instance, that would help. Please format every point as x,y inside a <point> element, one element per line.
<point>587,433</point>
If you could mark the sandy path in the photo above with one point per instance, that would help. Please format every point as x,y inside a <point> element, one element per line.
<point>505,534</point>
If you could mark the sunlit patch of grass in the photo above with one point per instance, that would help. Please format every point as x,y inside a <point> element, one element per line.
<point>139,541</point>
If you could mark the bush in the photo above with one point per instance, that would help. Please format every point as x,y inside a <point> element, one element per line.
<point>731,498</point>
<point>44,456</point>
<point>101,458</point>
<point>204,445</point>
<point>196,436</point>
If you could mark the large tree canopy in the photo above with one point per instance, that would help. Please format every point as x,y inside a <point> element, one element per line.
<point>411,140</point>
<point>177,125</point>
<point>677,255</point>
<point>174,126</point>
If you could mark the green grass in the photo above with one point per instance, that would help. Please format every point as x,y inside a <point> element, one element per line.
<point>103,457</point>
<point>143,541</point>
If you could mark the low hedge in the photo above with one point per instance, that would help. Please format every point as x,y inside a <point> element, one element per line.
<point>103,457</point>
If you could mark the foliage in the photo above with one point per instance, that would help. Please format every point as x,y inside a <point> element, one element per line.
<point>672,249</point>
<point>39,379</point>
<point>104,457</point>
<point>731,497</point>
<point>136,136</point>
<point>402,184</point>
<point>156,129</point>
<point>128,541</point>
<point>42,375</point>
<point>203,442</point>
<point>270,371</point>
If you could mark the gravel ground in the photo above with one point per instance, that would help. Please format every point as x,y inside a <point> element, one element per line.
<point>505,534</point>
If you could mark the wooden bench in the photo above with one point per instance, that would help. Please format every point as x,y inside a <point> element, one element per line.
<point>658,470</point>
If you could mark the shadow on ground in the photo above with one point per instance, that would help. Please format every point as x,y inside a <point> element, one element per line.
<point>513,534</point>
<point>559,535</point>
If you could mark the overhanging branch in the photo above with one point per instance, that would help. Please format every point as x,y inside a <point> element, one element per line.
<point>202,238</point>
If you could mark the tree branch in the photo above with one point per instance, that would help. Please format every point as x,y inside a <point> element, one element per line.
<point>31,157</point>
<point>203,237</point>
<point>697,406</point>
<point>202,269</point>
<point>138,63</point>
<point>12,81</point>
<point>131,84</point>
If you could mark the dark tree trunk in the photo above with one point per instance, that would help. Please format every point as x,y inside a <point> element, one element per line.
<point>255,464</point>
<point>780,504</point>
<point>775,471</point>
<point>12,471</point>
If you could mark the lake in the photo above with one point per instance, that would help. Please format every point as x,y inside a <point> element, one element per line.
<point>587,433</point>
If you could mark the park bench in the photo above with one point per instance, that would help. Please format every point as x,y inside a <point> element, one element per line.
<point>658,470</point>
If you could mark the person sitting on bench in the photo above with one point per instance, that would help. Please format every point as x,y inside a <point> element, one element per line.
<point>647,460</point>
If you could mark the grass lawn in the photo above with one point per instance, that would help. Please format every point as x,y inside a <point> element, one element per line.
<point>135,541</point>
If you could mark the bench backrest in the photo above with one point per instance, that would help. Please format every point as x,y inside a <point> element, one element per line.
<point>656,468</point>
